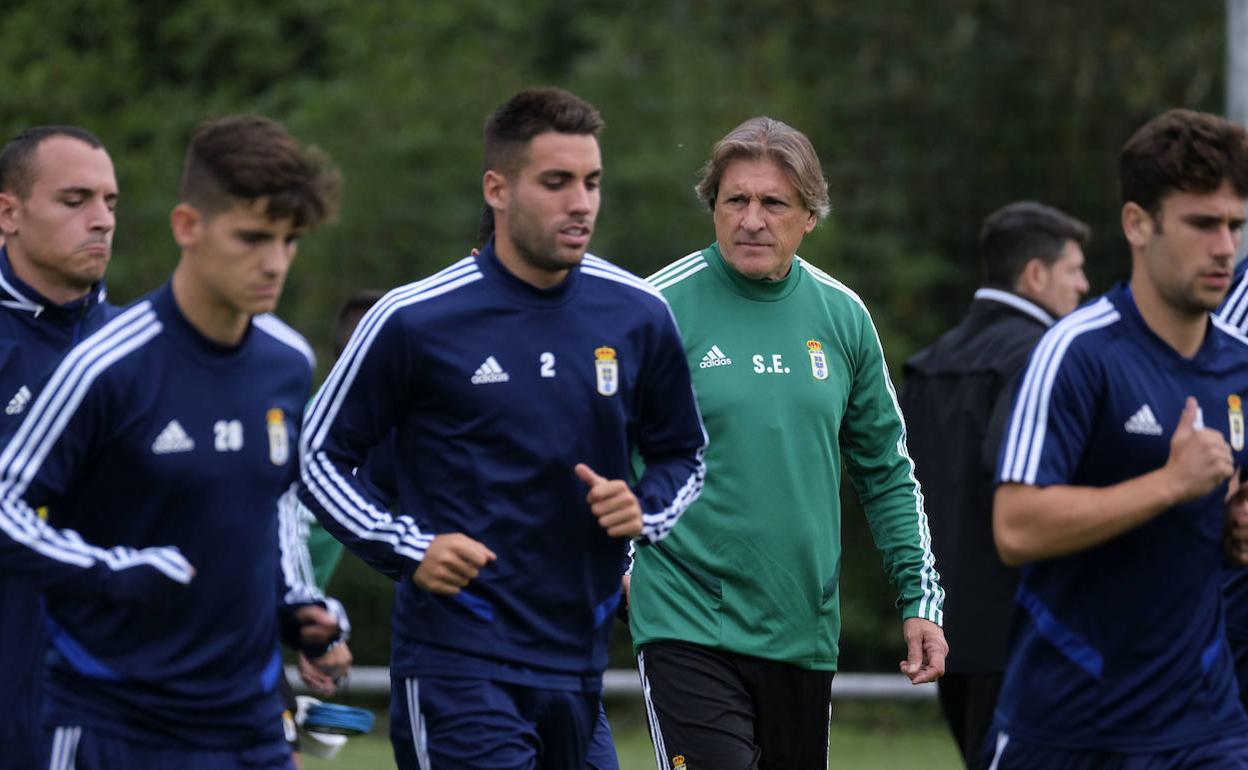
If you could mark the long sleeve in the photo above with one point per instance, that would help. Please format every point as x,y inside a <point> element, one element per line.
<point>355,409</point>
<point>873,436</point>
<point>670,438</point>
<point>41,461</point>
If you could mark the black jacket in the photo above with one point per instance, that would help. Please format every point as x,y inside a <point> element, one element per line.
<point>955,399</point>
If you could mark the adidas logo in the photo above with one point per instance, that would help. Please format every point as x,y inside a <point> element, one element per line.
<point>1143,422</point>
<point>172,439</point>
<point>489,372</point>
<point>19,401</point>
<point>714,357</point>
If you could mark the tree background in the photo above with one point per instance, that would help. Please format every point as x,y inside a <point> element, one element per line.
<point>926,116</point>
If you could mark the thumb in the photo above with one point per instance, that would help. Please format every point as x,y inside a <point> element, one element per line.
<point>1187,420</point>
<point>587,475</point>
<point>914,654</point>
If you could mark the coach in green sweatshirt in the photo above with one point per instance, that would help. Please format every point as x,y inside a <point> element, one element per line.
<point>736,615</point>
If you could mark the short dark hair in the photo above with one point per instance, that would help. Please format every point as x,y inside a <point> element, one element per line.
<point>510,128</point>
<point>1182,150</point>
<point>349,315</point>
<point>1015,234</point>
<point>485,227</point>
<point>248,157</point>
<point>17,159</point>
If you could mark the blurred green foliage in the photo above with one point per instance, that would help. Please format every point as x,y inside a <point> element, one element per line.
<point>926,115</point>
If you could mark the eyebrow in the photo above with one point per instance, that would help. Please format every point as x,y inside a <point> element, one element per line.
<point>566,174</point>
<point>83,191</point>
<point>1211,219</point>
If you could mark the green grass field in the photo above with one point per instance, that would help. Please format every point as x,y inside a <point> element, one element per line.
<point>864,737</point>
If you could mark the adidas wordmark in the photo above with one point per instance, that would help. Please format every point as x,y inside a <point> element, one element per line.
<point>489,372</point>
<point>19,401</point>
<point>714,357</point>
<point>1143,423</point>
<point>172,439</point>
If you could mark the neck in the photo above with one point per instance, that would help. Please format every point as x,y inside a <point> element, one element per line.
<point>48,283</point>
<point>219,322</point>
<point>522,268</point>
<point>1181,330</point>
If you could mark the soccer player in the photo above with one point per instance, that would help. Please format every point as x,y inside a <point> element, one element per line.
<point>517,383</point>
<point>58,193</point>
<point>1113,473</point>
<point>161,445</point>
<point>736,616</point>
<point>1234,311</point>
<point>955,398</point>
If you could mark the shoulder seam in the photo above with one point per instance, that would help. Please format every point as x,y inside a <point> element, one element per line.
<point>286,334</point>
<point>68,385</point>
<point>1024,438</point>
<point>598,267</point>
<point>827,280</point>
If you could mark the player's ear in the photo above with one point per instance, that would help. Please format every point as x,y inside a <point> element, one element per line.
<point>1137,224</point>
<point>9,207</point>
<point>186,223</point>
<point>1034,277</point>
<point>494,190</point>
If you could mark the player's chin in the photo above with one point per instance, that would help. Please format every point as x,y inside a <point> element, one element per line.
<point>568,257</point>
<point>260,303</point>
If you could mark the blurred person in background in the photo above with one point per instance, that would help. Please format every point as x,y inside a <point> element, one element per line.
<point>58,199</point>
<point>161,445</point>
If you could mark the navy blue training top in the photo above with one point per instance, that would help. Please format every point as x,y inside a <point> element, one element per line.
<point>1234,311</point>
<point>1122,647</point>
<point>158,452</point>
<point>34,333</point>
<point>495,390</point>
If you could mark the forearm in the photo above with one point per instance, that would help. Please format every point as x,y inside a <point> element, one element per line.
<point>392,544</point>
<point>901,535</point>
<point>1033,523</point>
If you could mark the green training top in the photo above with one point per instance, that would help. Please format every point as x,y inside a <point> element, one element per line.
<point>791,380</point>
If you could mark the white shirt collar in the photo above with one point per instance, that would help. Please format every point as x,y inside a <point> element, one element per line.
<point>1016,302</point>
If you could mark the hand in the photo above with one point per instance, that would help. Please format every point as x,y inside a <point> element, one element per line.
<point>317,625</point>
<point>323,674</point>
<point>925,650</point>
<point>626,582</point>
<point>450,562</point>
<point>1200,459</point>
<point>612,502</point>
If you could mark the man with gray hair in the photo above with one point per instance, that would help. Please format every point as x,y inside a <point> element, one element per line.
<point>956,398</point>
<point>736,615</point>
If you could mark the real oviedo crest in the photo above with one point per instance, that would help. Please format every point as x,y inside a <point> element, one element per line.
<point>1235,418</point>
<point>818,363</point>
<point>607,369</point>
<point>279,437</point>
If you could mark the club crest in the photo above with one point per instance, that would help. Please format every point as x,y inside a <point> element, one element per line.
<point>1235,418</point>
<point>279,437</point>
<point>607,369</point>
<point>818,363</point>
